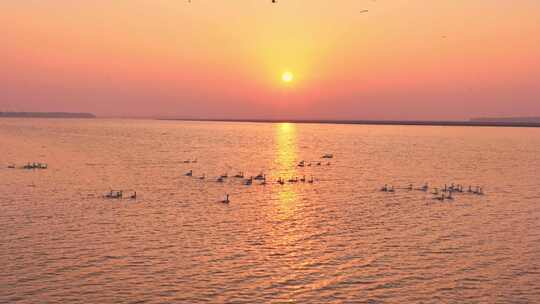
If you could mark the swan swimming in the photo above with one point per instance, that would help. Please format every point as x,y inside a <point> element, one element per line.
<point>439,198</point>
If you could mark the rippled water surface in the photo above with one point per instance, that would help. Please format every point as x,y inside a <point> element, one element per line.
<point>338,240</point>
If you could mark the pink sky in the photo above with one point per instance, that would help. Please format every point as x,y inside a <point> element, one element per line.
<point>404,59</point>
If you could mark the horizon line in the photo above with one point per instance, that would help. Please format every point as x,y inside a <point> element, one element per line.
<point>515,121</point>
<point>444,123</point>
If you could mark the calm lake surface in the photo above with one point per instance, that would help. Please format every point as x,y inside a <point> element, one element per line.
<point>338,240</point>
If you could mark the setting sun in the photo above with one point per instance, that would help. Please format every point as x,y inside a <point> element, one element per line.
<point>287,77</point>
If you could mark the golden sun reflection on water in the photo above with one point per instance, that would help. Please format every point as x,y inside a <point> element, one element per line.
<point>286,157</point>
<point>286,149</point>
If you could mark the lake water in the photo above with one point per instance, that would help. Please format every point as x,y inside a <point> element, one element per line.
<point>338,240</point>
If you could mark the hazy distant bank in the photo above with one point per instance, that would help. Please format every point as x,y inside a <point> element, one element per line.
<point>46,115</point>
<point>471,123</point>
<point>534,120</point>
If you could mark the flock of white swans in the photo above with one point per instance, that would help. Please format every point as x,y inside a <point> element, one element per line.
<point>440,194</point>
<point>444,193</point>
<point>447,192</point>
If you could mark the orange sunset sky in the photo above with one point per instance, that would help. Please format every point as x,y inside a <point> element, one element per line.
<point>403,59</point>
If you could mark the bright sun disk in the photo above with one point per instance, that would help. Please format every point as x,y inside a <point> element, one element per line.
<point>287,77</point>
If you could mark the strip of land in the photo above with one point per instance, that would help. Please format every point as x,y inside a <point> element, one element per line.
<point>45,115</point>
<point>533,120</point>
<point>470,123</point>
<point>529,122</point>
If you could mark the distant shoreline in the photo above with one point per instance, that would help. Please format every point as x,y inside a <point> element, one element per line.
<point>475,122</point>
<point>378,122</point>
<point>45,115</point>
